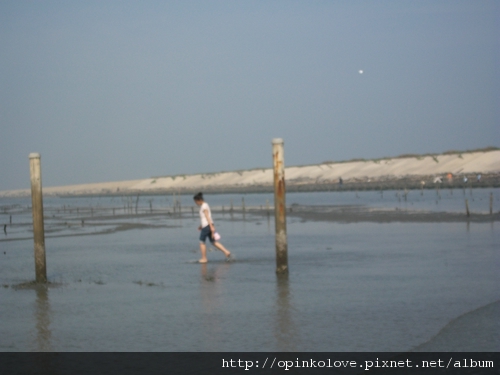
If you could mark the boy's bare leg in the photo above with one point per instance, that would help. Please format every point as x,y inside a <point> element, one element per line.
<point>219,246</point>
<point>203,249</point>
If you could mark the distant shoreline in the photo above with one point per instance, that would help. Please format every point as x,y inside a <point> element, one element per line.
<point>488,181</point>
<point>457,170</point>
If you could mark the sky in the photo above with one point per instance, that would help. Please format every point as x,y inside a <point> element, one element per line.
<point>121,90</point>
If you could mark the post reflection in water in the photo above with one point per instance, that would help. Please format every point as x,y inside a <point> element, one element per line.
<point>210,296</point>
<point>285,330</point>
<point>42,319</point>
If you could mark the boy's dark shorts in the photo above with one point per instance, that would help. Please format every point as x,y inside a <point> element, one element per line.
<point>206,233</point>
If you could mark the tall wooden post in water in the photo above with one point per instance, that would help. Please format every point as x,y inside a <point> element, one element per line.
<point>37,209</point>
<point>280,207</point>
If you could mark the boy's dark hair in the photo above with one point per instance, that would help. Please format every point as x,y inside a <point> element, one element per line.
<point>198,197</point>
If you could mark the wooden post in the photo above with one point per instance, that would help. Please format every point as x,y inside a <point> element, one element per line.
<point>467,208</point>
<point>280,207</point>
<point>37,210</point>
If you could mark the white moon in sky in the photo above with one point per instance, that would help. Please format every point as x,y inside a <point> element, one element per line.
<point>360,72</point>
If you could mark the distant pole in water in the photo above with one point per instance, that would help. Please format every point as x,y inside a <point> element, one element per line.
<point>467,208</point>
<point>491,203</point>
<point>37,210</point>
<point>280,206</point>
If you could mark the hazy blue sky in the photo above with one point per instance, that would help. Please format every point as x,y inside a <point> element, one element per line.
<point>117,90</point>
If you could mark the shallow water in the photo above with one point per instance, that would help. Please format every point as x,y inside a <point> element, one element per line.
<point>351,287</point>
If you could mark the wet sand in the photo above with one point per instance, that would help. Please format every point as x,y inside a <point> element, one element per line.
<point>67,225</point>
<point>475,331</point>
<point>356,214</point>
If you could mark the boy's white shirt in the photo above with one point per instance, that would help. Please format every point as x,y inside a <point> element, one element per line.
<point>203,217</point>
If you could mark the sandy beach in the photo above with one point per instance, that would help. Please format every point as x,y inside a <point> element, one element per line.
<point>431,171</point>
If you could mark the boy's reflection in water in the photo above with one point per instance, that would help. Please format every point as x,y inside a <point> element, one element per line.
<point>212,290</point>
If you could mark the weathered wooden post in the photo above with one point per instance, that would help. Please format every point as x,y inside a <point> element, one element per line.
<point>467,208</point>
<point>280,207</point>
<point>37,210</point>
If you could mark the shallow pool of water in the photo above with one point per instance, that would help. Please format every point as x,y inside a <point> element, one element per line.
<point>351,287</point>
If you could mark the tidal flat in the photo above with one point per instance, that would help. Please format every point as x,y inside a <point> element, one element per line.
<point>123,275</point>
